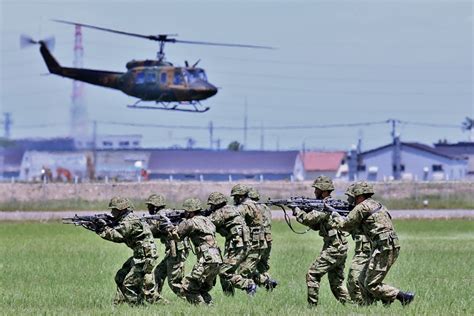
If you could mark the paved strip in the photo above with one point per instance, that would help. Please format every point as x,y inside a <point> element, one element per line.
<point>277,214</point>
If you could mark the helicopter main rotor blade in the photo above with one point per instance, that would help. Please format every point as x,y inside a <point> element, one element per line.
<point>223,44</point>
<point>160,37</point>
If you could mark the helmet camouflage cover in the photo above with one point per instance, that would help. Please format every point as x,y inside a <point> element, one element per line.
<point>156,200</point>
<point>239,189</point>
<point>363,187</point>
<point>324,183</point>
<point>254,194</point>
<point>216,198</point>
<point>120,203</point>
<point>192,205</point>
<point>350,190</point>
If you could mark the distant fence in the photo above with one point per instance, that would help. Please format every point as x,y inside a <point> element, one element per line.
<point>178,191</point>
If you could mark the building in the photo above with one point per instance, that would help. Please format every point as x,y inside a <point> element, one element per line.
<point>331,164</point>
<point>460,150</point>
<point>417,162</point>
<point>208,165</point>
<point>56,166</point>
<point>121,164</point>
<point>112,142</point>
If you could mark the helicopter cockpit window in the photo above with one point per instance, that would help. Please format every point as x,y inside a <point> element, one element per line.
<point>178,77</point>
<point>163,78</point>
<point>195,74</point>
<point>150,77</point>
<point>140,78</point>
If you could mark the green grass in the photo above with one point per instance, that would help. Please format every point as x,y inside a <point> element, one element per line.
<point>51,268</point>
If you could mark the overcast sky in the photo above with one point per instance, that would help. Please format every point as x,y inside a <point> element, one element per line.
<point>336,62</point>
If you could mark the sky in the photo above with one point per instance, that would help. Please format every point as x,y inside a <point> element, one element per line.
<point>336,62</point>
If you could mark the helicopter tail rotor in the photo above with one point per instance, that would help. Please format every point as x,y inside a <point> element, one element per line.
<point>27,41</point>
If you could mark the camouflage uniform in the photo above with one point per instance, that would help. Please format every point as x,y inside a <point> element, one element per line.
<point>332,258</point>
<point>172,265</point>
<point>361,257</point>
<point>263,265</point>
<point>201,232</point>
<point>176,251</point>
<point>255,221</point>
<point>231,225</point>
<point>135,280</point>
<point>374,220</point>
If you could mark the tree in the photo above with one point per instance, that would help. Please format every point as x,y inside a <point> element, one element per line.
<point>235,146</point>
<point>468,125</point>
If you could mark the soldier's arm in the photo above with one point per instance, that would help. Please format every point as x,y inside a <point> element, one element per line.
<point>217,218</point>
<point>311,218</point>
<point>184,229</point>
<point>115,234</point>
<point>353,219</point>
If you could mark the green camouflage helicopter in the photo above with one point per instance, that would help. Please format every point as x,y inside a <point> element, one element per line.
<point>171,87</point>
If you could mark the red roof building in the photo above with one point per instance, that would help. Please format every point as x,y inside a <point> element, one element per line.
<point>331,164</point>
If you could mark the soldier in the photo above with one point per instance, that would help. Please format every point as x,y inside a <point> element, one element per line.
<point>255,222</point>
<point>172,265</point>
<point>201,231</point>
<point>264,264</point>
<point>362,252</point>
<point>332,257</point>
<point>135,280</point>
<point>231,225</point>
<point>373,219</point>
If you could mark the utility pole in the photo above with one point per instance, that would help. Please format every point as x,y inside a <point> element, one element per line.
<point>94,147</point>
<point>245,124</point>
<point>396,152</point>
<point>211,135</point>
<point>7,123</point>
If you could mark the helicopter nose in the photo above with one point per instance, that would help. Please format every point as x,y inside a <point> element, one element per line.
<point>211,90</point>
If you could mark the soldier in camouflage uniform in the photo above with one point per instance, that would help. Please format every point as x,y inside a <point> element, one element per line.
<point>135,280</point>
<point>255,222</point>
<point>373,219</point>
<point>333,256</point>
<point>201,231</point>
<point>263,265</point>
<point>231,225</point>
<point>172,265</point>
<point>362,251</point>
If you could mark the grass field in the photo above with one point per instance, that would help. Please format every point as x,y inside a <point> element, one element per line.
<point>60,269</point>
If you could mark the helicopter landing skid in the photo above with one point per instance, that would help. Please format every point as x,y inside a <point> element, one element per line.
<point>174,107</point>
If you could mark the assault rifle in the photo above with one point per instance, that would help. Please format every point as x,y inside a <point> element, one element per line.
<point>307,205</point>
<point>91,222</point>
<point>166,218</point>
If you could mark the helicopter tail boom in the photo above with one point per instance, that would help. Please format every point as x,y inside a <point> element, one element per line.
<point>102,78</point>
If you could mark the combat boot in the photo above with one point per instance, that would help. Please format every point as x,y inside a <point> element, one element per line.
<point>270,284</point>
<point>251,289</point>
<point>405,298</point>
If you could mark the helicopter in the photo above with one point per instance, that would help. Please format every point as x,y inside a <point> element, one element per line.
<point>171,88</point>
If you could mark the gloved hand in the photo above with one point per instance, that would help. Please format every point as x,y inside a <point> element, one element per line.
<point>329,208</point>
<point>295,209</point>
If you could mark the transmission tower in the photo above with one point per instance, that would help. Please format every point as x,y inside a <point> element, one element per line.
<point>79,118</point>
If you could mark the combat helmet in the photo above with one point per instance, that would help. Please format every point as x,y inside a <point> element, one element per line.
<point>216,198</point>
<point>254,194</point>
<point>324,183</point>
<point>156,200</point>
<point>120,203</point>
<point>363,187</point>
<point>350,190</point>
<point>239,189</point>
<point>192,205</point>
